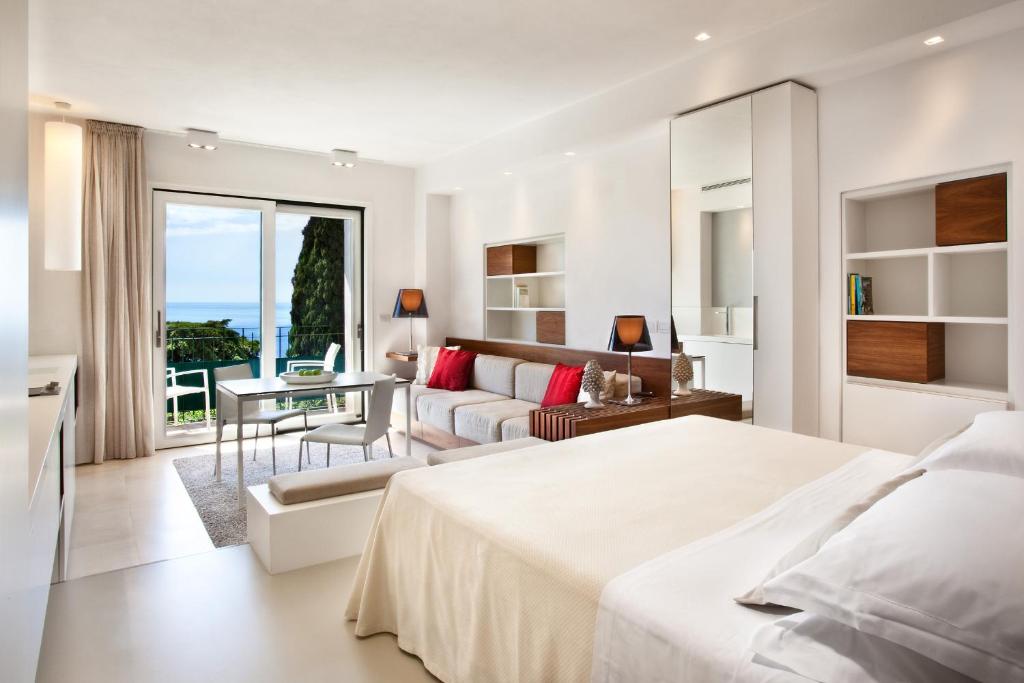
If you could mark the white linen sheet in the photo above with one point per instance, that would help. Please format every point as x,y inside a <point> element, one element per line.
<point>674,619</point>
<point>491,569</point>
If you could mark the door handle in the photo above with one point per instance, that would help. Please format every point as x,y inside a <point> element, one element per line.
<point>158,336</point>
<point>755,323</point>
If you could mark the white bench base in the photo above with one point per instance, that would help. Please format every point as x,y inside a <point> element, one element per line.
<point>287,537</point>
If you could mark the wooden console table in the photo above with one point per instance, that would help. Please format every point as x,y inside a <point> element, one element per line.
<point>565,422</point>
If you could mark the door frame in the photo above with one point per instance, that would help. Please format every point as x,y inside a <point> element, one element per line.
<point>158,195</point>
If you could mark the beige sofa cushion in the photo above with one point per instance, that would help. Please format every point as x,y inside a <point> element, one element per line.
<point>456,454</point>
<point>495,374</point>
<point>532,381</point>
<point>481,422</point>
<point>398,402</point>
<point>515,428</point>
<point>301,487</point>
<point>426,358</point>
<point>620,384</point>
<point>438,409</point>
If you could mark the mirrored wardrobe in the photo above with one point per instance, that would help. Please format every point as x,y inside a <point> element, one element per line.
<point>745,250</point>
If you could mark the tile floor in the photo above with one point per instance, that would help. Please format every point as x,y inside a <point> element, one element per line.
<point>131,512</point>
<point>217,617</point>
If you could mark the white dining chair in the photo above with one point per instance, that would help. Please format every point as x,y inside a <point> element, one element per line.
<point>226,412</point>
<point>175,391</point>
<point>326,364</point>
<point>378,422</point>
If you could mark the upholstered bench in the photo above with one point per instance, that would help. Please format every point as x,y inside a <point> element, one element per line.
<point>300,519</point>
<point>456,454</point>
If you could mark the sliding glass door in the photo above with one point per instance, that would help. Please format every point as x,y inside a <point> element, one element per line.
<point>268,284</point>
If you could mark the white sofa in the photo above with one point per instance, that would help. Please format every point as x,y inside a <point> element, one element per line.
<point>495,408</point>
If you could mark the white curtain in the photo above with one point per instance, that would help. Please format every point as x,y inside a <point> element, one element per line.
<point>117,258</point>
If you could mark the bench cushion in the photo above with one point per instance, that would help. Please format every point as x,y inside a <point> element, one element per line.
<point>301,487</point>
<point>532,381</point>
<point>495,374</point>
<point>456,454</point>
<point>438,409</point>
<point>515,428</point>
<point>398,402</point>
<point>481,422</point>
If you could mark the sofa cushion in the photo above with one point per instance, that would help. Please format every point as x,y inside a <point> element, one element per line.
<point>515,428</point>
<point>452,370</point>
<point>481,422</point>
<point>532,381</point>
<point>398,402</point>
<point>564,385</point>
<point>456,454</point>
<point>438,409</point>
<point>495,374</point>
<point>426,357</point>
<point>301,487</point>
<point>620,384</point>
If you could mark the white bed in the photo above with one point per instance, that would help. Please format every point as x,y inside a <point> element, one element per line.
<point>611,557</point>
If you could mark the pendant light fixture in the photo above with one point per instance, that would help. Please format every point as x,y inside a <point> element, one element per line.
<point>62,171</point>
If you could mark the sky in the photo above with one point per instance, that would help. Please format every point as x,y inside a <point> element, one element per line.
<point>213,254</point>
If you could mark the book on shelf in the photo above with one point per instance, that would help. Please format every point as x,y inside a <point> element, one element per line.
<point>859,297</point>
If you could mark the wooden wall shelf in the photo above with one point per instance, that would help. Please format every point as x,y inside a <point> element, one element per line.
<point>524,290</point>
<point>902,351</point>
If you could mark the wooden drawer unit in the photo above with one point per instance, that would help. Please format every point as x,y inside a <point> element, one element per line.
<point>511,259</point>
<point>551,327</point>
<point>971,211</point>
<point>902,351</point>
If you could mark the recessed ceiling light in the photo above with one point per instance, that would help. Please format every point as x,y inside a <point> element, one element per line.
<point>343,157</point>
<point>201,139</point>
<point>570,154</point>
<point>935,40</point>
<point>701,37</point>
<point>508,172</point>
<point>457,189</point>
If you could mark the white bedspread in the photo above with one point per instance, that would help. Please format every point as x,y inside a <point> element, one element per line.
<point>673,618</point>
<point>491,569</point>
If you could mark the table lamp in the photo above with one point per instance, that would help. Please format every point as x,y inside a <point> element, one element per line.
<point>410,304</point>
<point>629,334</point>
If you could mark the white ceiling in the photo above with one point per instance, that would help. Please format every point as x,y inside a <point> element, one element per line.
<point>403,81</point>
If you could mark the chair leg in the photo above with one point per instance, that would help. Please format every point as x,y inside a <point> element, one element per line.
<point>300,452</point>
<point>206,400</point>
<point>328,455</point>
<point>391,453</point>
<point>174,404</point>
<point>366,453</point>
<point>273,448</point>
<point>309,460</point>
<point>255,443</point>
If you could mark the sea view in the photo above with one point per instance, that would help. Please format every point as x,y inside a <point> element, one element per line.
<point>242,315</point>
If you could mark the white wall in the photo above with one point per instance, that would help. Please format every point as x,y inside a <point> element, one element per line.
<point>22,605</point>
<point>613,206</point>
<point>956,110</point>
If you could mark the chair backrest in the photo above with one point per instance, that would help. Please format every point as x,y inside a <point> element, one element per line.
<point>331,355</point>
<point>379,415</point>
<point>229,372</point>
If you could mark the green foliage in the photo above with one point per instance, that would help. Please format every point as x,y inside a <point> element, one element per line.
<point>209,341</point>
<point>318,289</point>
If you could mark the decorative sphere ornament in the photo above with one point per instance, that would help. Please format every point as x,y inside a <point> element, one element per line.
<point>593,384</point>
<point>682,373</point>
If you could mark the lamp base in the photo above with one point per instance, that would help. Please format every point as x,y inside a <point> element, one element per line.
<point>628,401</point>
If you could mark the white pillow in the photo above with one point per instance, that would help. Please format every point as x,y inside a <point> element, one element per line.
<point>937,567</point>
<point>994,443</point>
<point>824,650</point>
<point>426,357</point>
<point>607,393</point>
<point>810,545</point>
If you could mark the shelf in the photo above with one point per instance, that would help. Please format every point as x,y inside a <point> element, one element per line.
<point>550,273</point>
<point>952,319</point>
<point>527,310</point>
<point>924,251</point>
<point>943,386</point>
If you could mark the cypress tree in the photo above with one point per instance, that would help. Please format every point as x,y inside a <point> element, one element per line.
<point>318,289</point>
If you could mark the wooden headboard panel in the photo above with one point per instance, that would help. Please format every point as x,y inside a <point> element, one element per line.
<point>655,373</point>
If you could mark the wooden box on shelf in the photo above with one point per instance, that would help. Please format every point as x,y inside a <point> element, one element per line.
<point>510,259</point>
<point>551,327</point>
<point>971,211</point>
<point>901,351</point>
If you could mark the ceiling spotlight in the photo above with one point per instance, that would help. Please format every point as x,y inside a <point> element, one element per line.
<point>701,37</point>
<point>508,172</point>
<point>457,189</point>
<point>570,154</point>
<point>344,157</point>
<point>935,40</point>
<point>201,139</point>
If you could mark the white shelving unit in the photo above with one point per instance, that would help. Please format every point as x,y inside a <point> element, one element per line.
<point>507,321</point>
<point>889,235</point>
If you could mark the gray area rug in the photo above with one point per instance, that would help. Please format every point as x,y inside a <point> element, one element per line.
<point>217,501</point>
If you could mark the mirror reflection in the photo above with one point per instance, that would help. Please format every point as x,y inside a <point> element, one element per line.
<point>712,247</point>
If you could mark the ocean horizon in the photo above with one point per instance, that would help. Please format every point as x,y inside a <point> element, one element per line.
<point>242,315</point>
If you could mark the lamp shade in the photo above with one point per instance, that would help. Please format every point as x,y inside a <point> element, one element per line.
<point>410,304</point>
<point>630,333</point>
<point>62,171</point>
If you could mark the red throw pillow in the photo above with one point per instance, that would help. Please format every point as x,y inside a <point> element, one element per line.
<point>452,370</point>
<point>564,385</point>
